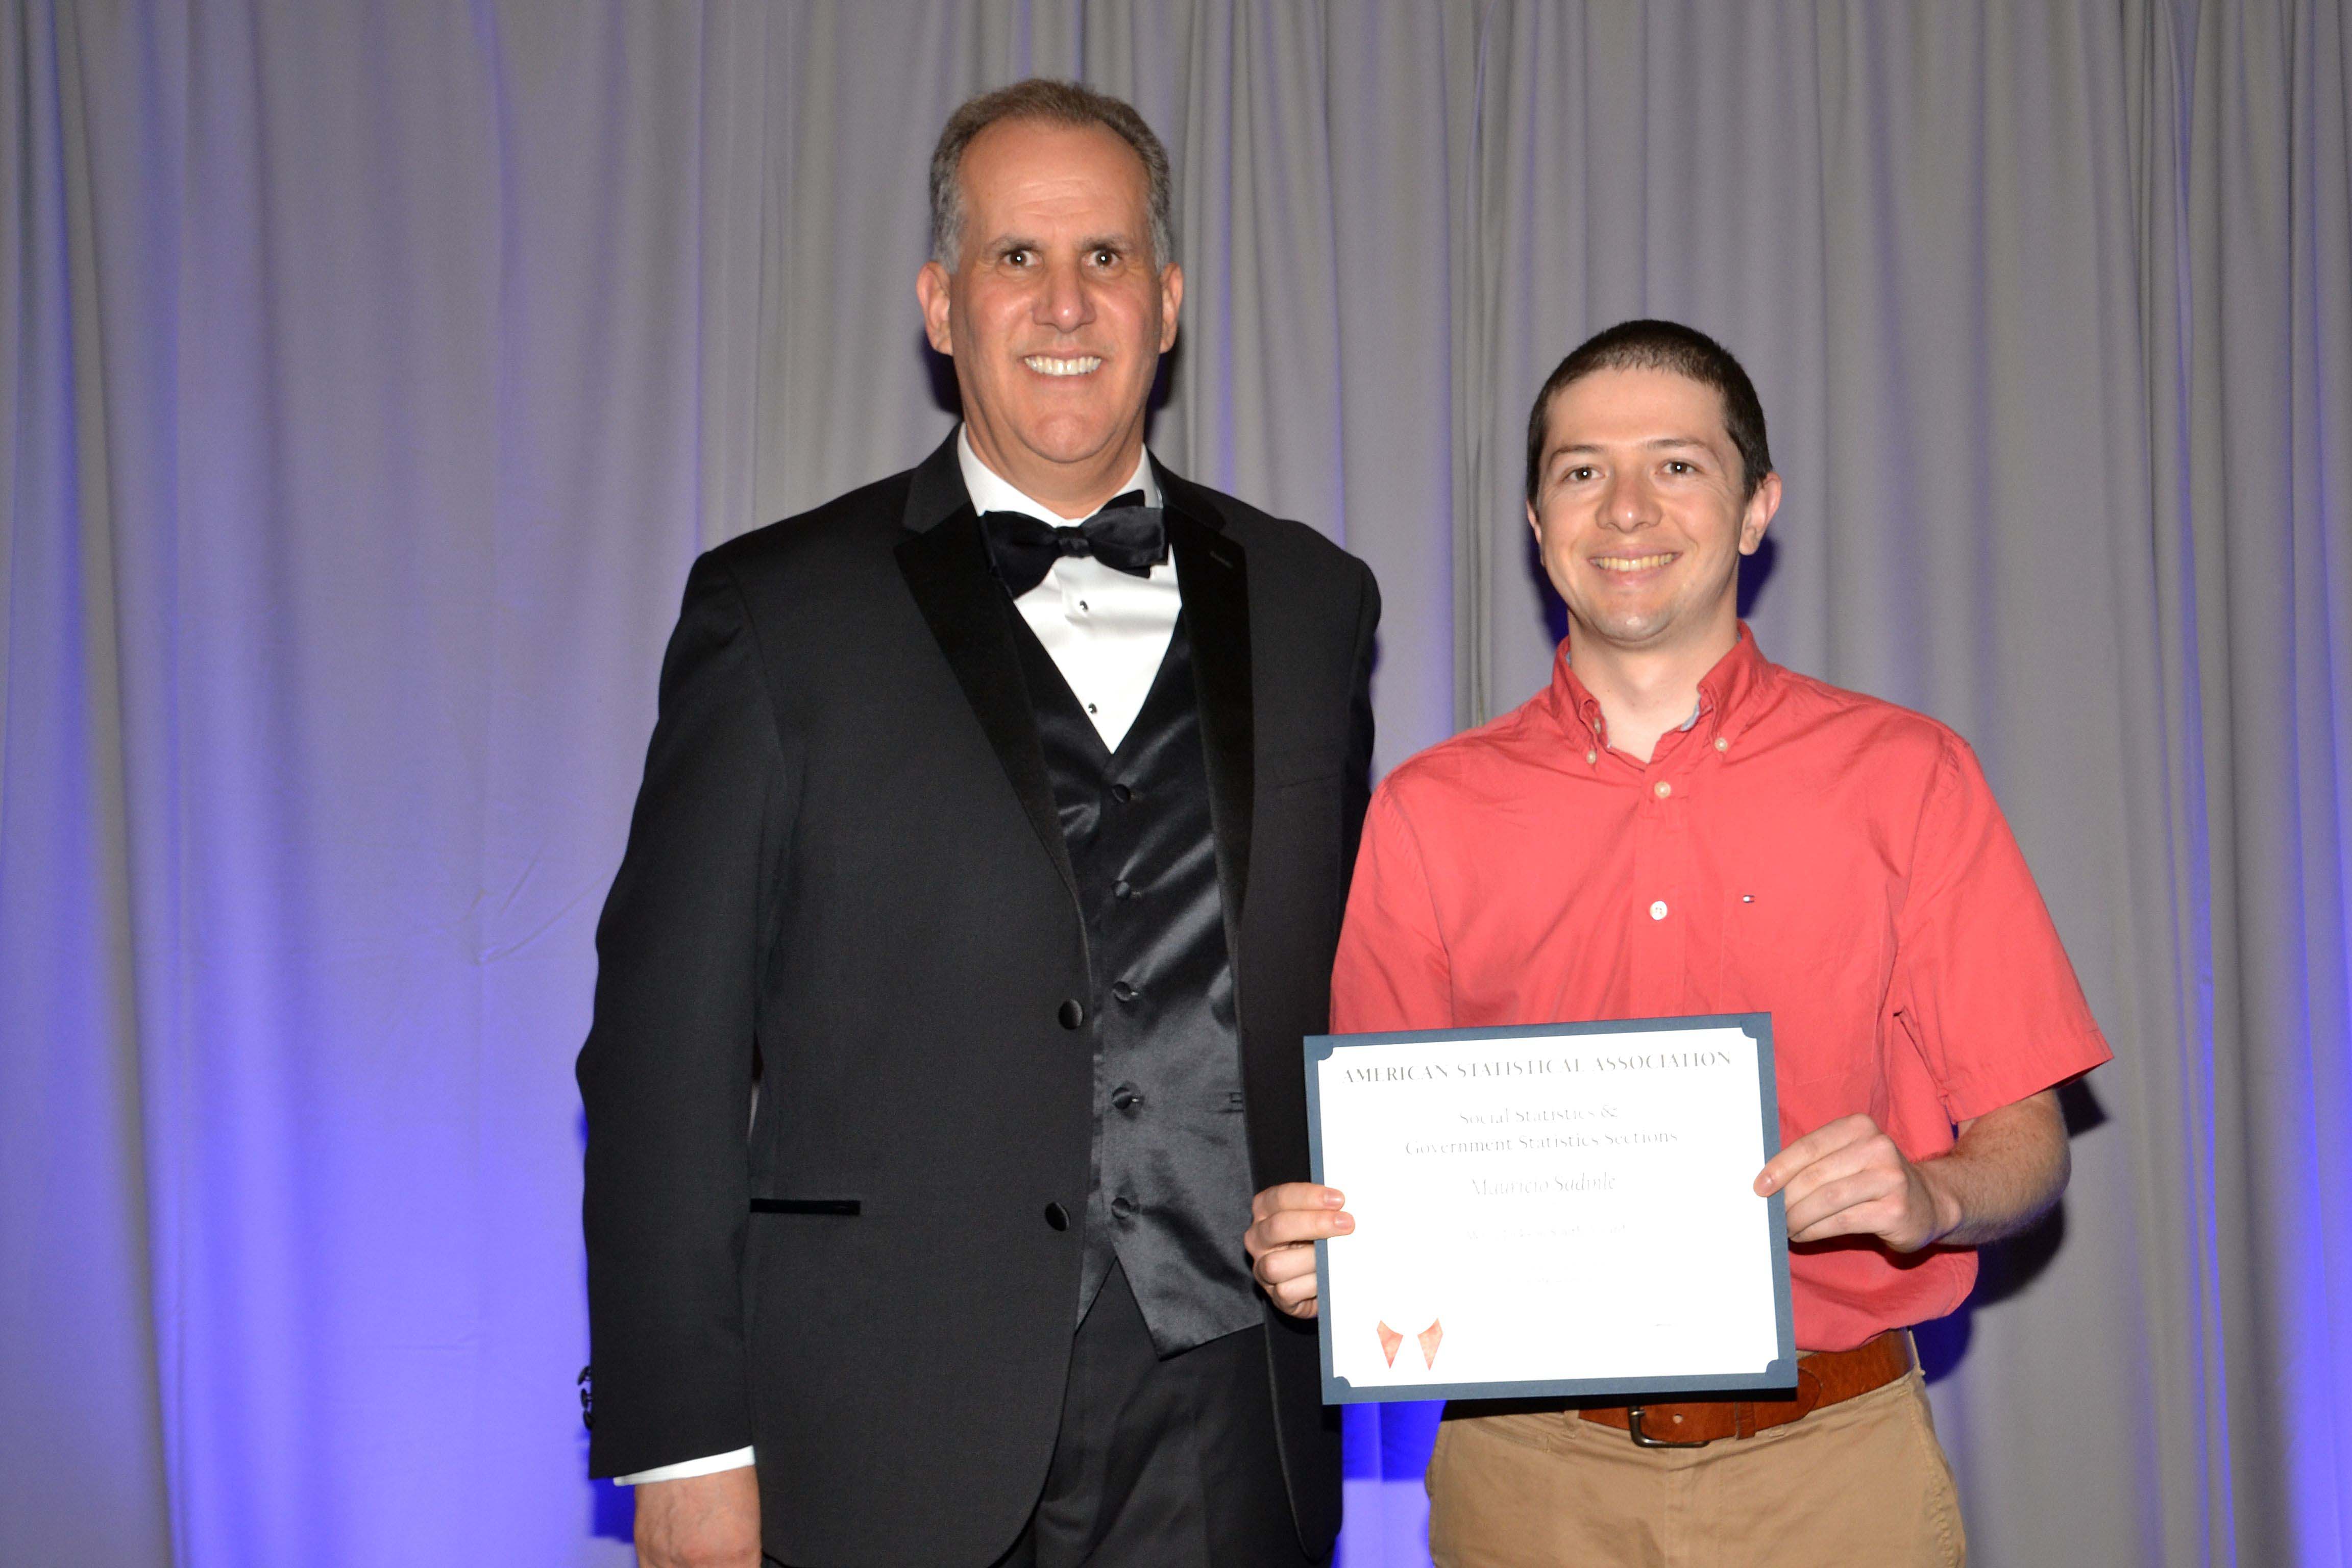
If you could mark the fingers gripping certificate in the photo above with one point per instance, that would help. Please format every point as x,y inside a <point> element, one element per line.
<point>1554,1209</point>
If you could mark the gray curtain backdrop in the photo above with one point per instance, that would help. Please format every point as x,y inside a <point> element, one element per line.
<point>372,371</point>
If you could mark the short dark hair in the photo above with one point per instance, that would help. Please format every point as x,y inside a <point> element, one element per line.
<point>1056,103</point>
<point>1662,345</point>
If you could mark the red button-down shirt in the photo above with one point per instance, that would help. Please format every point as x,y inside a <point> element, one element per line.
<point>1826,857</point>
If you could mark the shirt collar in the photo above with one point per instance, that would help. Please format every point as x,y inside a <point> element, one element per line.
<point>1723,690</point>
<point>990,492</point>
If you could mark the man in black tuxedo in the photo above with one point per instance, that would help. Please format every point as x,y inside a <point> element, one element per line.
<point>990,866</point>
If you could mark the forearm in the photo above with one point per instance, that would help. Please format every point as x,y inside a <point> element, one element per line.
<point>2006,1172</point>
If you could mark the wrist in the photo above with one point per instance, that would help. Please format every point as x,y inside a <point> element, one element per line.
<point>1946,1213</point>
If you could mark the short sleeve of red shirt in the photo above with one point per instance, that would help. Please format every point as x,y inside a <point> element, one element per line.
<point>1981,984</point>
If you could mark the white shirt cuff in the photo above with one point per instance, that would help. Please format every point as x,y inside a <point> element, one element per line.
<point>710,1466</point>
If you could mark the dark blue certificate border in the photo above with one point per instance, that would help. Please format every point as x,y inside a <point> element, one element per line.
<point>1780,1375</point>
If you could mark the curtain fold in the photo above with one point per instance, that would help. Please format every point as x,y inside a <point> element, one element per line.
<point>2260,615</point>
<point>372,372</point>
<point>79,1392</point>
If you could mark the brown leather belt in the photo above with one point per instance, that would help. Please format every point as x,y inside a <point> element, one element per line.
<point>1825,1377</point>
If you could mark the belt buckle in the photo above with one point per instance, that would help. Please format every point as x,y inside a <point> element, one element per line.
<point>1641,1439</point>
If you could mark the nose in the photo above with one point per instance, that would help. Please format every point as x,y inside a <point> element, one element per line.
<point>1063,302</point>
<point>1626,503</point>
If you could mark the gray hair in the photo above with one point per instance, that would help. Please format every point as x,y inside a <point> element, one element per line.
<point>1056,103</point>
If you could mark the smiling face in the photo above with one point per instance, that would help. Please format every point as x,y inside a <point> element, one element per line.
<point>1641,513</point>
<point>1057,314</point>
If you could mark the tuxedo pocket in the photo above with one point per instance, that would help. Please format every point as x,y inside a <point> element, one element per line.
<point>848,1208</point>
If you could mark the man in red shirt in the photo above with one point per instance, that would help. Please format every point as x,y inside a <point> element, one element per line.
<point>1677,826</point>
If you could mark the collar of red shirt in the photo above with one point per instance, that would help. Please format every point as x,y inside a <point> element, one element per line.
<point>1722,691</point>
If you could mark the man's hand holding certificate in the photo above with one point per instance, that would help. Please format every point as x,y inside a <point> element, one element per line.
<point>1505,1185</point>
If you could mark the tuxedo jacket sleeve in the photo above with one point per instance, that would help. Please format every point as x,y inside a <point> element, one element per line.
<point>668,1066</point>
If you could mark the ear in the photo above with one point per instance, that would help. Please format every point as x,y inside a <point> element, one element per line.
<point>1534,522</point>
<point>1171,299</point>
<point>1762,506</point>
<point>931,289</point>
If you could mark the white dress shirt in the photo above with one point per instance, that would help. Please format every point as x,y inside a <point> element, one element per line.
<point>1108,632</point>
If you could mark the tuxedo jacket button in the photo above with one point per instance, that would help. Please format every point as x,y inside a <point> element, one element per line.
<point>1072,1013</point>
<point>1058,1217</point>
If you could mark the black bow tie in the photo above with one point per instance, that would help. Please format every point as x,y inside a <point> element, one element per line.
<point>1126,536</point>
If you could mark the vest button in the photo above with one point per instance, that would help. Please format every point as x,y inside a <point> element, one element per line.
<point>1072,1013</point>
<point>1058,1217</point>
<point>1123,990</point>
<point>1125,1097</point>
<point>1122,890</point>
<point>1121,794</point>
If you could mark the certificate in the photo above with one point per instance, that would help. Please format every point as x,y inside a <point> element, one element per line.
<point>1552,1209</point>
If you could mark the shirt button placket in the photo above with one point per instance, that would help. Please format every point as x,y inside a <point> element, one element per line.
<point>1649,910</point>
<point>1675,883</point>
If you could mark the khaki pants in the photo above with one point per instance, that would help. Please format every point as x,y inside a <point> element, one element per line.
<point>1862,1482</point>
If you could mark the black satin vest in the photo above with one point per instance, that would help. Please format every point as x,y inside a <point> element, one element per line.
<point>1169,1193</point>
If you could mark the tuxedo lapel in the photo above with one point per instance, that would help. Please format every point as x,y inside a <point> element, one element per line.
<point>945,562</point>
<point>1213,573</point>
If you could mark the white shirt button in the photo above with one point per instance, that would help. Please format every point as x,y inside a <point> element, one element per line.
<point>1663,789</point>
<point>1658,911</point>
<point>1721,744</point>
<point>1591,757</point>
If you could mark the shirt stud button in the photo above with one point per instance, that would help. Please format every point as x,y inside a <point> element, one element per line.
<point>1658,911</point>
<point>1663,789</point>
<point>1721,744</point>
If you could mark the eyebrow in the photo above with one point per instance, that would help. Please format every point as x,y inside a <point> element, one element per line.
<point>1655,444</point>
<point>1015,241</point>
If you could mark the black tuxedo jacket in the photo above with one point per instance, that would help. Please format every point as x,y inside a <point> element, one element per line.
<point>846,885</point>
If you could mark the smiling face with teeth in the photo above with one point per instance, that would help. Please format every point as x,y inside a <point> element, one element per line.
<point>1642,513</point>
<point>1057,312</point>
